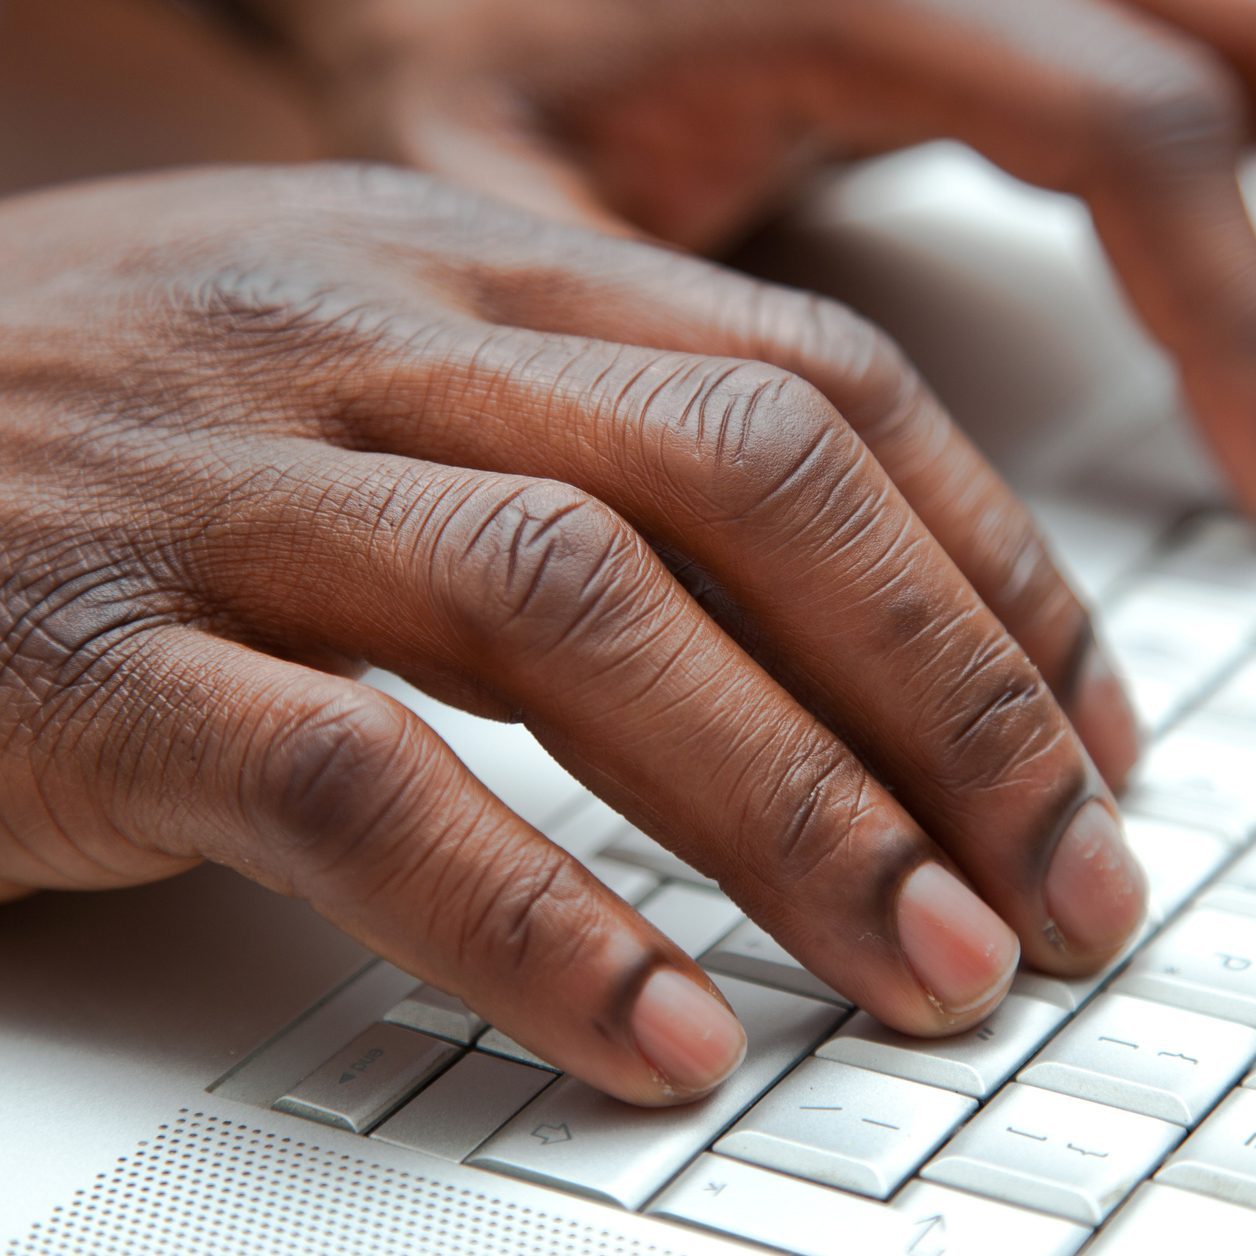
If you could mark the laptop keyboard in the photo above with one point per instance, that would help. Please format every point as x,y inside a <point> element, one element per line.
<point>1076,1100</point>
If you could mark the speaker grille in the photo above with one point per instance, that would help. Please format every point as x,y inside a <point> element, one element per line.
<point>207,1185</point>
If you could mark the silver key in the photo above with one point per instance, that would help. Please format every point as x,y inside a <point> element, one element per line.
<point>753,954</point>
<point>1177,858</point>
<point>1145,1057</point>
<point>1241,873</point>
<point>976,1062</point>
<point>463,1106</point>
<point>587,827</point>
<point>1205,962</point>
<point>1229,898</point>
<point>1177,636</point>
<point>750,1203</point>
<point>631,884</point>
<point>1219,1158</point>
<point>631,846</point>
<point>366,1080</point>
<point>846,1127</point>
<point>1235,889</point>
<point>497,1043</point>
<point>694,918</point>
<point>1052,1152</point>
<point>952,1223</point>
<point>435,1012</point>
<point>1160,1219</point>
<point>1200,775</point>
<point>1234,703</point>
<point>574,1136</point>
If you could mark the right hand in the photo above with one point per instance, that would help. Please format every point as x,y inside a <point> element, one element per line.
<point>712,541</point>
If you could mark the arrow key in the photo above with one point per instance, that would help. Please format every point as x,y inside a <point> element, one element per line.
<point>946,1221</point>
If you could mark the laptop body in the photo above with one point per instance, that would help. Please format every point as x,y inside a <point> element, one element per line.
<point>161,1048</point>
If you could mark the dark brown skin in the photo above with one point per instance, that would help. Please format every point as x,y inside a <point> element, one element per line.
<point>689,119</point>
<point>711,540</point>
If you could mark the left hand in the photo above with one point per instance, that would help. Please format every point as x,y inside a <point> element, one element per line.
<point>689,119</point>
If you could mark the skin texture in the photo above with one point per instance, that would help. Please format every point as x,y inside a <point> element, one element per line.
<point>711,540</point>
<point>689,120</point>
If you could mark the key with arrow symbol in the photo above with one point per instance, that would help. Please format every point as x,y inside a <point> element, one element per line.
<point>552,1134</point>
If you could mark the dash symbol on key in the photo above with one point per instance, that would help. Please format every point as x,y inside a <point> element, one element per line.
<point>885,1125</point>
<point>1038,1138</point>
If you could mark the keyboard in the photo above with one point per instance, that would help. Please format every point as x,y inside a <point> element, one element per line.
<point>1117,1110</point>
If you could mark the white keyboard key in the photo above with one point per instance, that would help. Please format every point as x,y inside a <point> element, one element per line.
<point>1199,775</point>
<point>463,1106</point>
<point>497,1043</point>
<point>846,1127</point>
<point>1205,962</point>
<point>435,1012</point>
<point>1219,1158</point>
<point>692,917</point>
<point>1146,1057</point>
<point>1053,1152</point>
<point>585,826</point>
<point>576,1137</point>
<point>1241,873</point>
<point>1177,858</point>
<point>1228,898</point>
<point>953,1223</point>
<point>630,883</point>
<point>1235,889</point>
<point>1179,636</point>
<point>365,1080</point>
<point>631,846</point>
<point>1234,702</point>
<point>976,1062</point>
<point>1071,993</point>
<point>763,1207</point>
<point>1161,1219</point>
<point>754,955</point>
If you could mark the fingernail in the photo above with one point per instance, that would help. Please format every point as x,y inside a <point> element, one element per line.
<point>1104,719</point>
<point>961,951</point>
<point>1095,890</point>
<point>686,1034</point>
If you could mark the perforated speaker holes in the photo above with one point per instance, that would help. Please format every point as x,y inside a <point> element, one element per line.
<point>206,1185</point>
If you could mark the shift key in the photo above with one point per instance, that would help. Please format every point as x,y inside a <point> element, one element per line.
<point>578,1138</point>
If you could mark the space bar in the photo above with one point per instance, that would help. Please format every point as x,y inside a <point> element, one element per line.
<point>577,1138</point>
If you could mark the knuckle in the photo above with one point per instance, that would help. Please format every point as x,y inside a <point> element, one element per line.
<point>995,724</point>
<point>327,777</point>
<point>531,567</point>
<point>832,804</point>
<point>763,439</point>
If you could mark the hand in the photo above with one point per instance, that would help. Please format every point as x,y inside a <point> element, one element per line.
<point>260,429</point>
<point>688,119</point>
